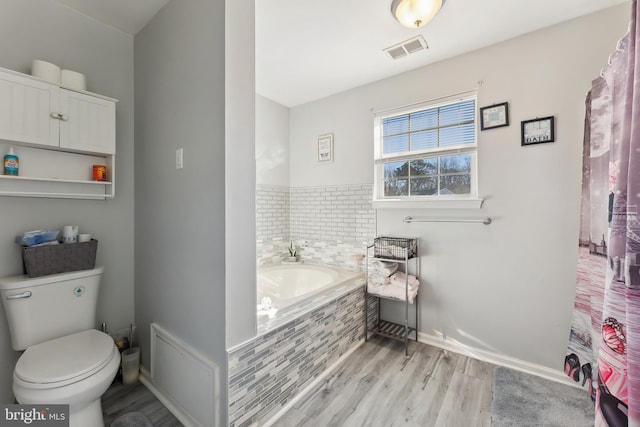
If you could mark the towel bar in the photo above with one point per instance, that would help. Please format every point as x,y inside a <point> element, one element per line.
<point>485,221</point>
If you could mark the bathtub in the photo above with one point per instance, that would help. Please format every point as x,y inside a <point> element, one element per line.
<point>288,285</point>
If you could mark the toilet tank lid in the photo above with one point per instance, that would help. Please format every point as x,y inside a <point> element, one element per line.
<point>65,358</point>
<point>23,281</point>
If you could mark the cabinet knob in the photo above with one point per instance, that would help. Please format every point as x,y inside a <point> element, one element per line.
<point>60,116</point>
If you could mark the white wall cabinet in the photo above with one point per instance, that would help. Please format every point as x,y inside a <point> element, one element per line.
<point>87,123</point>
<point>26,106</point>
<point>58,134</point>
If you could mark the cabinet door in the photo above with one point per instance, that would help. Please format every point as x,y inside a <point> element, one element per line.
<point>26,106</point>
<point>88,123</point>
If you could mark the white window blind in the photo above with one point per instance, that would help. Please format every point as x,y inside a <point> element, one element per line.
<point>427,152</point>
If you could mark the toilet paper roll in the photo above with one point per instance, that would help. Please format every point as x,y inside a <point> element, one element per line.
<point>45,70</point>
<point>73,80</point>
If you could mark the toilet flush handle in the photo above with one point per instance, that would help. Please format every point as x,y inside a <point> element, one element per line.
<point>26,294</point>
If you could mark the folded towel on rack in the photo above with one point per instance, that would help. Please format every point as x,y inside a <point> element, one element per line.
<point>378,280</point>
<point>383,267</point>
<point>399,279</point>
<point>391,291</point>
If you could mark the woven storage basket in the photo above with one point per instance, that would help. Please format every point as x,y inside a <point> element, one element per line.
<point>44,260</point>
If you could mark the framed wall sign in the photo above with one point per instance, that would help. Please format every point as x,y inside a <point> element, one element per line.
<point>537,131</point>
<point>494,116</point>
<point>325,148</point>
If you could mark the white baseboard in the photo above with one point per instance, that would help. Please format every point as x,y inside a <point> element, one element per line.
<point>311,386</point>
<point>177,411</point>
<point>497,359</point>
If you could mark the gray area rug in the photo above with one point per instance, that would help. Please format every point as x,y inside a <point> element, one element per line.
<point>525,400</point>
<point>132,419</point>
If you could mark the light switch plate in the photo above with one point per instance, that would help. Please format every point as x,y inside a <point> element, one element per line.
<point>179,158</point>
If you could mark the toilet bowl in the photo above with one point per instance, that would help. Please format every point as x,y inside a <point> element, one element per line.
<point>75,370</point>
<point>65,360</point>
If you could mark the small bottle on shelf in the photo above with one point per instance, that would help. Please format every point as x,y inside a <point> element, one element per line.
<point>11,163</point>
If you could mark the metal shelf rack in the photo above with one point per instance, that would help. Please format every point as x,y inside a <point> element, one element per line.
<point>400,250</point>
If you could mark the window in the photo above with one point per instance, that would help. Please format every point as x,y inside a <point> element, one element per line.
<point>427,152</point>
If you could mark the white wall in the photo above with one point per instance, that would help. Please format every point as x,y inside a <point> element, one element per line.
<point>43,29</point>
<point>272,143</point>
<point>506,288</point>
<point>180,214</point>
<point>240,171</point>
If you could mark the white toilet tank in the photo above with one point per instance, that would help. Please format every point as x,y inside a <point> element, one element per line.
<point>42,308</point>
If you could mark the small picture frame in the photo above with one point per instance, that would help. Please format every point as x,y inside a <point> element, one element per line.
<point>494,116</point>
<point>538,131</point>
<point>325,148</point>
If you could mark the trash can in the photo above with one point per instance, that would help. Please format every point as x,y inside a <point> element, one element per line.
<point>130,365</point>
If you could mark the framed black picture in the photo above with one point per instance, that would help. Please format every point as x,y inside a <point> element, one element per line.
<point>537,131</point>
<point>494,116</point>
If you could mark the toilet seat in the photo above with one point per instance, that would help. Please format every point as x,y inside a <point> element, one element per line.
<point>65,360</point>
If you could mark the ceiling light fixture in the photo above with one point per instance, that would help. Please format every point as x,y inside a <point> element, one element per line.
<point>415,13</point>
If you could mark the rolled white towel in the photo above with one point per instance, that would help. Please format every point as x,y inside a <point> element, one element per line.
<point>269,312</point>
<point>384,267</point>
<point>399,279</point>
<point>266,303</point>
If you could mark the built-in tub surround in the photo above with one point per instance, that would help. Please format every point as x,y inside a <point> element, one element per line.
<point>332,224</point>
<point>268,371</point>
<point>329,226</point>
<point>295,289</point>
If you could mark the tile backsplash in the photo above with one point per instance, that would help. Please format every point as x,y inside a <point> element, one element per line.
<point>328,225</point>
<point>335,213</point>
<point>272,212</point>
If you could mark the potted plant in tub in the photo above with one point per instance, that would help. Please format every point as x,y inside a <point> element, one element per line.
<point>293,254</point>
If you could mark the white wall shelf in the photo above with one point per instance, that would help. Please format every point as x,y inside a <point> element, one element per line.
<point>21,186</point>
<point>69,181</point>
<point>58,135</point>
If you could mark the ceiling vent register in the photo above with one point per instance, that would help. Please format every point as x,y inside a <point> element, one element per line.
<point>407,47</point>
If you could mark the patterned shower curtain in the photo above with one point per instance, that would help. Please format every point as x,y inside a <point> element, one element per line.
<point>604,344</point>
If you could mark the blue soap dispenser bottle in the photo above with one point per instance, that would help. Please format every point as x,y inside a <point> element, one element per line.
<point>11,163</point>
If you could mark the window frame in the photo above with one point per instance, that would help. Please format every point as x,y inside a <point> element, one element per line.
<point>469,200</point>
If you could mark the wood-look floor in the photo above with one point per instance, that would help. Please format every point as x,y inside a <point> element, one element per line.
<point>378,386</point>
<point>375,386</point>
<point>120,399</point>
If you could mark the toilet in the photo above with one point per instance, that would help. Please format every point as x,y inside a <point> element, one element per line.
<point>65,360</point>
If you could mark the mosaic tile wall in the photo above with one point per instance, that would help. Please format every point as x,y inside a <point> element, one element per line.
<point>349,255</point>
<point>328,225</point>
<point>271,251</point>
<point>338,213</point>
<point>272,223</point>
<point>268,371</point>
<point>272,214</point>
